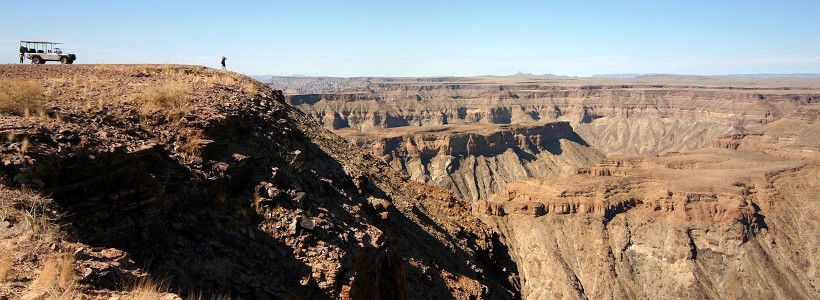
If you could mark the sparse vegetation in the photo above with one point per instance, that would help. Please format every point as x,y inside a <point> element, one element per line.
<point>6,262</point>
<point>250,87</point>
<point>22,97</point>
<point>171,100</point>
<point>32,209</point>
<point>56,280</point>
<point>146,289</point>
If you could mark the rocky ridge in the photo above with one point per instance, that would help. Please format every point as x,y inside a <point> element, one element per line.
<point>226,190</point>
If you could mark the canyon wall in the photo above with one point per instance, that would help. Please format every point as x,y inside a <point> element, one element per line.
<point>611,117</point>
<point>701,225</point>
<point>474,161</point>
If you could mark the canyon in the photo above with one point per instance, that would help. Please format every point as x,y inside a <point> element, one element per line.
<point>410,122</point>
<point>652,187</point>
<point>534,187</point>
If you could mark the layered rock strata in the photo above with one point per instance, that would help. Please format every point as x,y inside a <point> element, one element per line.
<point>474,161</point>
<point>644,116</point>
<point>716,224</point>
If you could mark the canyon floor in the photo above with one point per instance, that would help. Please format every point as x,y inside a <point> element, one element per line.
<point>654,187</point>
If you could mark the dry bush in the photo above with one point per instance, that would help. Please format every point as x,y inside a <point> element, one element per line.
<point>251,88</point>
<point>21,97</point>
<point>56,280</point>
<point>170,100</point>
<point>31,209</point>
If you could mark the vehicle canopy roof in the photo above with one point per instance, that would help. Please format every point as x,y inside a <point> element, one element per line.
<point>39,42</point>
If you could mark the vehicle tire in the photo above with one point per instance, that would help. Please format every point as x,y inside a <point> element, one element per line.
<point>36,60</point>
<point>70,61</point>
<point>64,60</point>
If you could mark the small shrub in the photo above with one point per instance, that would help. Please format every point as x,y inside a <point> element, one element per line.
<point>6,262</point>
<point>21,97</point>
<point>170,100</point>
<point>251,88</point>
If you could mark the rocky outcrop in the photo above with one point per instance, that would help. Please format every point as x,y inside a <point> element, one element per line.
<point>716,223</point>
<point>236,193</point>
<point>475,161</point>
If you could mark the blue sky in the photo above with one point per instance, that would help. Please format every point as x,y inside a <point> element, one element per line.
<point>430,38</point>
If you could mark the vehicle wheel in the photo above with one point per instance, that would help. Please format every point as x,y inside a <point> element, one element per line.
<point>70,61</point>
<point>36,60</point>
<point>65,60</point>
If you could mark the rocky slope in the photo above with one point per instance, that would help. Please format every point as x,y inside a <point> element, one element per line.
<point>211,182</point>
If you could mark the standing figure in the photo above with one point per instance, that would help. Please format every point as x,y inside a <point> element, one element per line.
<point>223,62</point>
<point>21,57</point>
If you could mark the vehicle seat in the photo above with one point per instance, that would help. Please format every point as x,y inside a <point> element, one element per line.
<point>40,51</point>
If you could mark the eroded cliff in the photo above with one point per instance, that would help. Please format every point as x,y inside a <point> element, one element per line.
<point>715,224</point>
<point>474,161</point>
<point>614,117</point>
<point>709,189</point>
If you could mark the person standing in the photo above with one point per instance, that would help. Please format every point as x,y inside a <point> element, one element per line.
<point>223,62</point>
<point>21,57</point>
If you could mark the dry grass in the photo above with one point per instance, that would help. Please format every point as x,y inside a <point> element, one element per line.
<point>32,210</point>
<point>6,262</point>
<point>22,97</point>
<point>25,145</point>
<point>170,100</point>
<point>56,280</point>
<point>250,87</point>
<point>146,289</point>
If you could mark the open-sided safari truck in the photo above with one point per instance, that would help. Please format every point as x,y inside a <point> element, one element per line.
<point>41,52</point>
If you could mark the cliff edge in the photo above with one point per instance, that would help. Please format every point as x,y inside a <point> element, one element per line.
<point>208,181</point>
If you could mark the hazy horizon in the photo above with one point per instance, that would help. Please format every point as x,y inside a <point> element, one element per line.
<point>429,38</point>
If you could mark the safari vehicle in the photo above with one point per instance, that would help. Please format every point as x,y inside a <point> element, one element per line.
<point>41,52</point>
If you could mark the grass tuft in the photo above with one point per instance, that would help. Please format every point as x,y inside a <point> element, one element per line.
<point>146,289</point>
<point>22,97</point>
<point>56,280</point>
<point>6,262</point>
<point>170,100</point>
